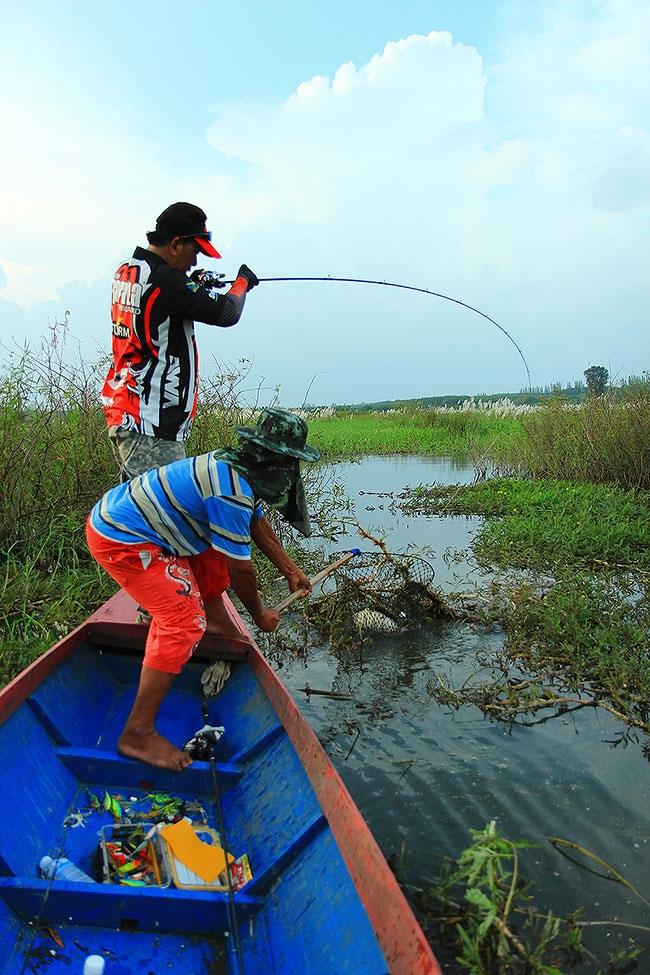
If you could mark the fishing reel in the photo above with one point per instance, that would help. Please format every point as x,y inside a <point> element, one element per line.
<point>202,744</point>
<point>208,279</point>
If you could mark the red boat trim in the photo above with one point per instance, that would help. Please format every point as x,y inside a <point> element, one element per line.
<point>133,636</point>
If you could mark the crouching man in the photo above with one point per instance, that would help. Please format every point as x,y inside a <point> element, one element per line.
<point>146,534</point>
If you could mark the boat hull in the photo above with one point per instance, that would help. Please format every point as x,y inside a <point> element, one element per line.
<point>322,898</point>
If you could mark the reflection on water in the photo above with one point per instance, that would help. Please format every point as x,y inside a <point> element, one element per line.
<point>423,775</point>
<point>365,481</point>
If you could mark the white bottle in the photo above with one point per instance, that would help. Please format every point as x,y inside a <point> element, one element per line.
<point>94,965</point>
<point>63,869</point>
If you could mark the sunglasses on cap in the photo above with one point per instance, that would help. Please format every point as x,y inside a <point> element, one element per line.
<point>203,235</point>
<point>202,240</point>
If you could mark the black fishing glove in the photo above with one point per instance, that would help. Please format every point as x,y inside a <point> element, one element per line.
<point>251,277</point>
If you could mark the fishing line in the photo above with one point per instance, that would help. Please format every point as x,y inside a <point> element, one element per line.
<point>211,280</point>
<point>36,927</point>
<point>436,294</point>
<point>231,909</point>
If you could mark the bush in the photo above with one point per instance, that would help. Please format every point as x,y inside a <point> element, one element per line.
<point>606,439</point>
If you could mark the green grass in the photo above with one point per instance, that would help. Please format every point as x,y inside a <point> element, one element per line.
<point>545,524</point>
<point>46,589</point>
<point>411,432</point>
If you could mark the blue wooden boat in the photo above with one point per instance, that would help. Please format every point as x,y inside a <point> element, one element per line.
<point>322,898</point>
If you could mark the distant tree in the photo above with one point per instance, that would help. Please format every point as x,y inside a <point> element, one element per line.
<point>597,378</point>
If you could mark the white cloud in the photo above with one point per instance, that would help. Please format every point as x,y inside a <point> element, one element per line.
<point>365,119</point>
<point>26,284</point>
<point>520,185</point>
<point>412,166</point>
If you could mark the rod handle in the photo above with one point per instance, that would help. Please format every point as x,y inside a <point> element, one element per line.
<point>323,574</point>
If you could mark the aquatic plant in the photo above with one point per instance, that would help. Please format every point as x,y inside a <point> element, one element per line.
<point>483,911</point>
<point>576,621</point>
<point>542,524</point>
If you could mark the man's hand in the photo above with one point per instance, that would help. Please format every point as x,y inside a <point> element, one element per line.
<point>269,543</point>
<point>251,277</point>
<point>297,579</point>
<point>268,619</point>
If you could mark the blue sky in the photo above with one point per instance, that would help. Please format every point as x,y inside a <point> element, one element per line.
<point>496,152</point>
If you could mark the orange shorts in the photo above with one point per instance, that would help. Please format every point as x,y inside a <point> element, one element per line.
<point>172,588</point>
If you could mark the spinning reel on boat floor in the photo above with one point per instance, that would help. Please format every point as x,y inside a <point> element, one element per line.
<point>202,745</point>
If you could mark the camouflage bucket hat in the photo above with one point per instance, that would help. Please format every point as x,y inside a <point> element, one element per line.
<point>282,433</point>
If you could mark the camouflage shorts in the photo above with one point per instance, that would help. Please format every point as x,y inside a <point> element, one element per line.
<point>136,453</point>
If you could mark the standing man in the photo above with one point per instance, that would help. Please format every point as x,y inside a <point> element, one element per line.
<point>146,533</point>
<point>150,393</point>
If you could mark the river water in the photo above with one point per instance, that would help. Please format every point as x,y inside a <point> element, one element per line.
<point>423,775</point>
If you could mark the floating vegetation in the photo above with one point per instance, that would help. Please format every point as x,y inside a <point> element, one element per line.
<point>545,524</point>
<point>481,910</point>
<point>571,596</point>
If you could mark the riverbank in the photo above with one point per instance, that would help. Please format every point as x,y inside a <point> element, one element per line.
<point>571,591</point>
<point>604,440</point>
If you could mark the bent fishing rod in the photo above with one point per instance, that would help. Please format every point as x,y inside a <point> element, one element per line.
<point>210,279</point>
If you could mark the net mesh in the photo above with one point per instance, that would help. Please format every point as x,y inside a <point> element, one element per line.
<point>373,593</point>
<point>395,585</point>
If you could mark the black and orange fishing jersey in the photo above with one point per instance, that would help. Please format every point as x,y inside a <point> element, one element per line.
<point>152,384</point>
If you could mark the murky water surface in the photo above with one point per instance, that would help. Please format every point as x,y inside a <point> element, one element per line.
<point>561,778</point>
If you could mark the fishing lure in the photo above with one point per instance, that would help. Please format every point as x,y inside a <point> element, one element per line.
<point>93,800</point>
<point>112,806</point>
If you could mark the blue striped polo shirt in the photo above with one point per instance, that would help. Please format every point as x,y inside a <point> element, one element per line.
<point>184,507</point>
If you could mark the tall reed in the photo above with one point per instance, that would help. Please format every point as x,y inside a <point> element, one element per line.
<point>604,440</point>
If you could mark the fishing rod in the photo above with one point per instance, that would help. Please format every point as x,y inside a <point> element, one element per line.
<point>210,279</point>
<point>202,747</point>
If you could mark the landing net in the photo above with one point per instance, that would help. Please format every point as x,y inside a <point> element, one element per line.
<point>373,593</point>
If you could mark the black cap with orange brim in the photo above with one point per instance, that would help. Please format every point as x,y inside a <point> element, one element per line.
<point>204,245</point>
<point>189,221</point>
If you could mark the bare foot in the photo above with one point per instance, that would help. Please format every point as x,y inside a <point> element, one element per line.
<point>219,620</point>
<point>226,630</point>
<point>152,748</point>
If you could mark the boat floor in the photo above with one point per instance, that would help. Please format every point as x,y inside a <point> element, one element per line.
<point>62,743</point>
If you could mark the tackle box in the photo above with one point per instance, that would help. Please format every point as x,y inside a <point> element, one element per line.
<point>155,870</point>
